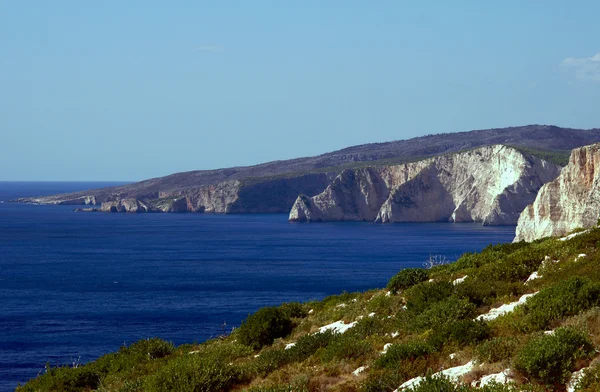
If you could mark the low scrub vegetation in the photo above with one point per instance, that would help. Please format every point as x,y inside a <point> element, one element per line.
<point>423,321</point>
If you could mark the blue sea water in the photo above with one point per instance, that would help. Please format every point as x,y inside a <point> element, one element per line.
<point>76,285</point>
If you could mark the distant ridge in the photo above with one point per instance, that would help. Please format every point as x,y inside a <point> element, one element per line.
<point>274,186</point>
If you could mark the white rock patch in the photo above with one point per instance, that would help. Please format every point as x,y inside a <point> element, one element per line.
<point>453,374</point>
<point>359,370</point>
<point>572,235</point>
<point>394,334</point>
<point>372,314</point>
<point>580,256</point>
<point>288,346</point>
<point>535,275</point>
<point>575,378</point>
<point>337,327</point>
<point>504,309</point>
<point>341,306</point>
<point>501,378</point>
<point>459,280</point>
<point>386,347</point>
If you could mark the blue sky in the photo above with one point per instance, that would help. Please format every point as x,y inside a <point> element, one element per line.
<point>127,90</point>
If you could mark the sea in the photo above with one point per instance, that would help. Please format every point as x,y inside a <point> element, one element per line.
<point>76,285</point>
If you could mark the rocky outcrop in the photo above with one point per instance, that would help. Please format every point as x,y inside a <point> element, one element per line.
<point>571,201</point>
<point>251,195</point>
<point>490,184</point>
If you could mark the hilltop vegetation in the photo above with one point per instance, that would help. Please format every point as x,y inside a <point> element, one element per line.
<point>425,321</point>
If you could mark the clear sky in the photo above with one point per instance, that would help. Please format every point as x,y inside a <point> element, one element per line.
<point>127,90</point>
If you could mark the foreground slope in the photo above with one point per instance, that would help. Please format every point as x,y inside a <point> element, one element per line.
<point>523,315</point>
<point>569,202</point>
<point>490,184</point>
<point>242,189</point>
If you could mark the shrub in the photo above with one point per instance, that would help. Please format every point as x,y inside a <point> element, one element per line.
<point>65,379</point>
<point>294,310</point>
<point>402,352</point>
<point>407,278</point>
<point>447,311</point>
<point>263,327</point>
<point>389,378</point>
<point>268,361</point>
<point>422,296</point>
<point>590,380</point>
<point>549,359</point>
<point>89,376</point>
<point>496,350</point>
<point>271,360</point>
<point>153,348</point>
<point>307,345</point>
<point>369,326</point>
<point>566,298</point>
<point>463,332</point>
<point>346,346</point>
<point>195,373</point>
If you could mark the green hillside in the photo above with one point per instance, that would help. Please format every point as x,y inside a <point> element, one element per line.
<point>425,320</point>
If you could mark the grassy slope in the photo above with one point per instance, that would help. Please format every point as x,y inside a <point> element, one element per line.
<point>424,323</point>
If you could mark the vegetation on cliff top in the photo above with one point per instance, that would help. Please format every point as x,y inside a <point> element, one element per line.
<point>426,321</point>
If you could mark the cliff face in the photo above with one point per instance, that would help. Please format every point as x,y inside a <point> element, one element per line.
<point>490,184</point>
<point>569,202</point>
<point>247,196</point>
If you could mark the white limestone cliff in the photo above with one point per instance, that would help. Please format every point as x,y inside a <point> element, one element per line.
<point>569,202</point>
<point>490,184</point>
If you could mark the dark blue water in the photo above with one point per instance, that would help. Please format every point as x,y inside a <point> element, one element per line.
<point>77,285</point>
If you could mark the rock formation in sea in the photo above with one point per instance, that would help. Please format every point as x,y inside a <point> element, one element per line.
<point>271,195</point>
<point>491,184</point>
<point>569,202</point>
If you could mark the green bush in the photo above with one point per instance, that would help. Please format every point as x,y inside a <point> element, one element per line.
<point>424,295</point>
<point>346,346</point>
<point>496,350</point>
<point>294,310</point>
<point>270,360</point>
<point>263,327</point>
<point>484,292</point>
<point>462,332</point>
<point>389,378</point>
<point>307,345</point>
<point>590,380</point>
<point>370,326</point>
<point>549,359</point>
<point>89,376</point>
<point>402,352</point>
<point>65,379</point>
<point>407,278</point>
<point>446,311</point>
<point>193,373</point>
<point>566,298</point>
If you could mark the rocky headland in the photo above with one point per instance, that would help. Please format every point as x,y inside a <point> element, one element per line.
<point>490,184</point>
<point>571,201</point>
<point>273,187</point>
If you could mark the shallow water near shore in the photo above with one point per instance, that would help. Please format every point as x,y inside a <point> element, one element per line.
<point>74,286</point>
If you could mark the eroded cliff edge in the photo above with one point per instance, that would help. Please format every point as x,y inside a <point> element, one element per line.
<point>571,201</point>
<point>490,184</point>
<point>262,195</point>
